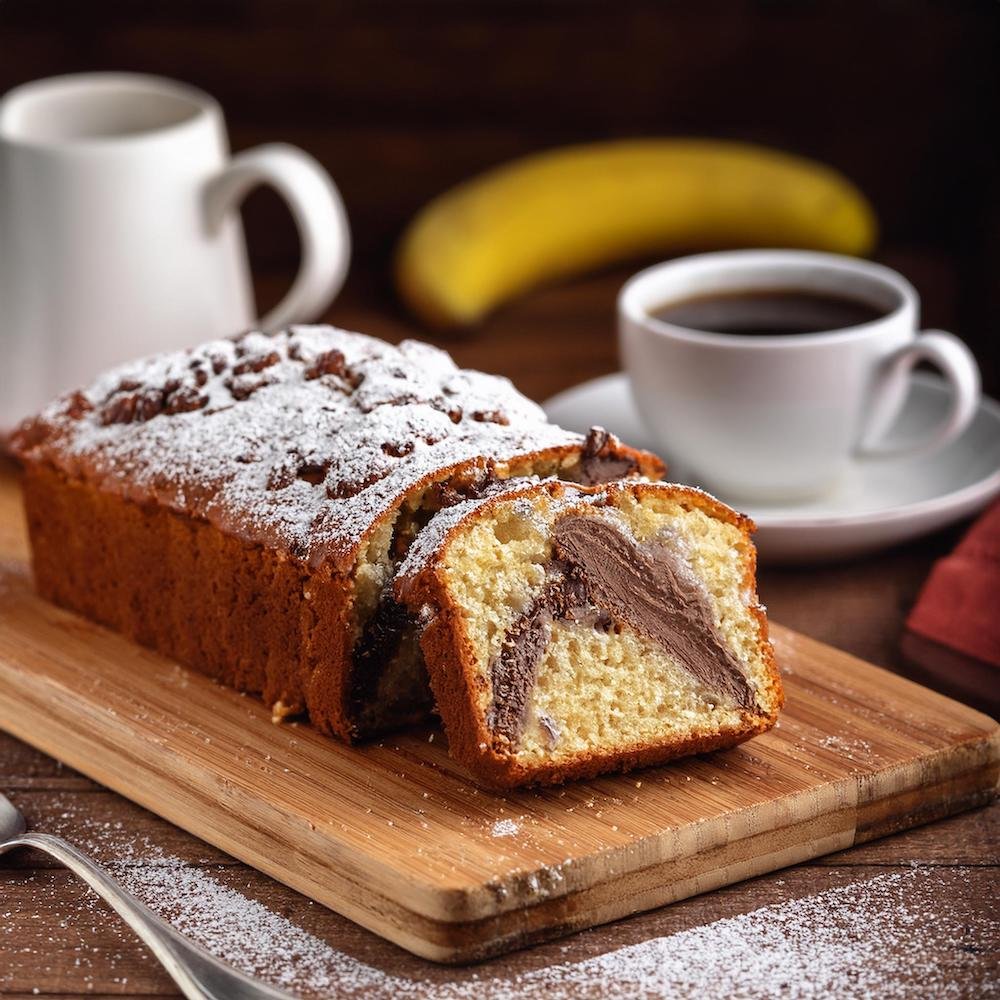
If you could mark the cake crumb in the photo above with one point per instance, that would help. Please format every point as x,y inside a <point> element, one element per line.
<point>280,711</point>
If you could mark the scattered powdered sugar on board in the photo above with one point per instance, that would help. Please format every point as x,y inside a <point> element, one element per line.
<point>846,747</point>
<point>505,828</point>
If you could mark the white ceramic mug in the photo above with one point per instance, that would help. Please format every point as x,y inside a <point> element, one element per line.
<point>780,417</point>
<point>120,235</point>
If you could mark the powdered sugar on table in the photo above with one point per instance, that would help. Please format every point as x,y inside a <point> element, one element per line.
<point>874,937</point>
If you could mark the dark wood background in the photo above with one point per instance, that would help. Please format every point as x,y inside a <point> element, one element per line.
<point>400,99</point>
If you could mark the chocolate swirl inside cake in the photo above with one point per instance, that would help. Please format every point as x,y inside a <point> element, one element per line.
<point>599,577</point>
<point>571,630</point>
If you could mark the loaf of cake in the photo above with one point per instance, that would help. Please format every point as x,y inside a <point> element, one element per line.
<point>619,627</point>
<point>243,506</point>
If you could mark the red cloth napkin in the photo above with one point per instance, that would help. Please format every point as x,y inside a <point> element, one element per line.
<point>959,606</point>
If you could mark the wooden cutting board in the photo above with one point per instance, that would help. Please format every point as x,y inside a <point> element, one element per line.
<point>396,837</point>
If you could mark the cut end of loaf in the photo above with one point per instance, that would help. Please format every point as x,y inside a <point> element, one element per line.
<point>388,686</point>
<point>573,632</point>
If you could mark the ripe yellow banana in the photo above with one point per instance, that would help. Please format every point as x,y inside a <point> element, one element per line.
<point>570,210</point>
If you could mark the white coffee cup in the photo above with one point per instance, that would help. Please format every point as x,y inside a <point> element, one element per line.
<point>781,417</point>
<point>119,230</point>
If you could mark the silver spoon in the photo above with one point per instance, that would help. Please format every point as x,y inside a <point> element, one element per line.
<point>199,975</point>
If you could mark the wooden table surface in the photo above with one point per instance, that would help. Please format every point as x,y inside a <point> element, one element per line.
<point>57,940</point>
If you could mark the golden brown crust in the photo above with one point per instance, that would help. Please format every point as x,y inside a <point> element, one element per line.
<point>450,660</point>
<point>236,611</point>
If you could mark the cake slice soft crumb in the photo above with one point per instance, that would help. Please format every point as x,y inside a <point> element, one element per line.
<point>570,631</point>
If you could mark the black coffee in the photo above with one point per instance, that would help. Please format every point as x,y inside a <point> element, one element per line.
<point>766,312</point>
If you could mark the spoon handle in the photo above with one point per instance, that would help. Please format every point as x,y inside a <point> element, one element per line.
<point>199,975</point>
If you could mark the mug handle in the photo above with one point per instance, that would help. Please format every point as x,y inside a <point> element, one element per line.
<point>956,363</point>
<point>319,216</point>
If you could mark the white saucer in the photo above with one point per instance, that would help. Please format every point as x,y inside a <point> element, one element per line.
<point>877,504</point>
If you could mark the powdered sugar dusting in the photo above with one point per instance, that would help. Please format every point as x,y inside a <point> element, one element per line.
<point>304,438</point>
<point>245,933</point>
<point>872,938</point>
<point>505,828</point>
<point>868,939</point>
<point>902,935</point>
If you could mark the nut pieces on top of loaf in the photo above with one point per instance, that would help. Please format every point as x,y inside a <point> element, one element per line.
<point>246,506</point>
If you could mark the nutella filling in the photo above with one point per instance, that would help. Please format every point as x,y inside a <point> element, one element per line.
<point>640,586</point>
<point>513,669</point>
<point>597,577</point>
<point>376,647</point>
<point>601,461</point>
<point>512,672</point>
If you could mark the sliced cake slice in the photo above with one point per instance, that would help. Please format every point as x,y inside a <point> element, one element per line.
<point>570,631</point>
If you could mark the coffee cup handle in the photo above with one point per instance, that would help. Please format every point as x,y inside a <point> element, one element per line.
<point>955,361</point>
<point>319,215</point>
